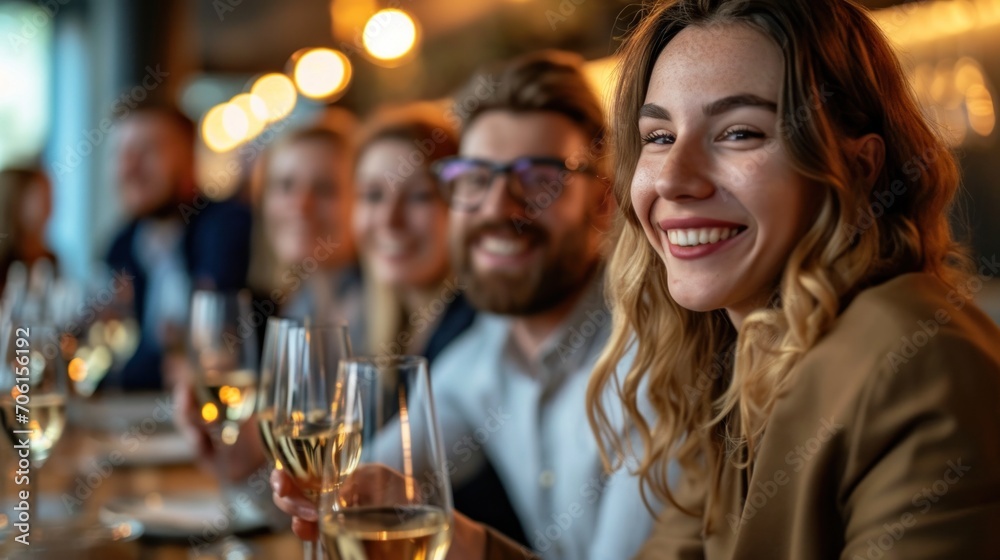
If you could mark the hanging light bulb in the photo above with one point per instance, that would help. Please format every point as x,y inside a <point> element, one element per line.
<point>390,35</point>
<point>321,73</point>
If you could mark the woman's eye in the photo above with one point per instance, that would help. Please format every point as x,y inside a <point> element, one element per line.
<point>661,138</point>
<point>372,197</point>
<point>741,134</point>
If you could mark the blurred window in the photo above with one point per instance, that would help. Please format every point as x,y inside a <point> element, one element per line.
<point>25,80</point>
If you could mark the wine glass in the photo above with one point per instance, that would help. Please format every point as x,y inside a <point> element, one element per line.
<point>280,340</point>
<point>397,503</point>
<point>33,402</point>
<point>309,426</point>
<point>223,351</point>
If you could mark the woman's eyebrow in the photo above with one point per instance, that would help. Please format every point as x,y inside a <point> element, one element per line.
<point>653,110</point>
<point>731,102</point>
<point>717,107</point>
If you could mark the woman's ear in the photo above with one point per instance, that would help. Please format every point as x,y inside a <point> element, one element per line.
<point>869,156</point>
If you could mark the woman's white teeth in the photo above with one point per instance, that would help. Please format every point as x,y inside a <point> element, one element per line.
<point>702,236</point>
<point>503,246</point>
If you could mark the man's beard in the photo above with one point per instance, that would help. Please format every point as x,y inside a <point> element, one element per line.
<point>566,265</point>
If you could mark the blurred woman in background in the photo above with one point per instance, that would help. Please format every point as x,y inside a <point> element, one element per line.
<point>303,262</point>
<point>304,258</point>
<point>401,227</point>
<point>25,208</point>
<point>414,305</point>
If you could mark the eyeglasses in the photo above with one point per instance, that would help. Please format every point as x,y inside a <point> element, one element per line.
<point>465,182</point>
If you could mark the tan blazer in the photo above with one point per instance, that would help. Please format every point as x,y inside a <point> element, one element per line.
<point>886,447</point>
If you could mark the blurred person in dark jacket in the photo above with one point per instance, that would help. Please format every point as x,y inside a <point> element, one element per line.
<point>176,240</point>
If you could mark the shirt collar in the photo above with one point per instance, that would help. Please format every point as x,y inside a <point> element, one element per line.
<point>573,343</point>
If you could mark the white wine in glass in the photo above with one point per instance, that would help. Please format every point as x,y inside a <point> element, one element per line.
<point>31,366</point>
<point>224,357</point>
<point>396,504</point>
<point>303,446</point>
<point>309,422</point>
<point>47,420</point>
<point>278,344</point>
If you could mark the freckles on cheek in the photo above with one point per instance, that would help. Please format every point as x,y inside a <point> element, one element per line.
<point>643,196</point>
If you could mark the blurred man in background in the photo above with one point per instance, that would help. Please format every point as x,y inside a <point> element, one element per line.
<point>175,241</point>
<point>530,214</point>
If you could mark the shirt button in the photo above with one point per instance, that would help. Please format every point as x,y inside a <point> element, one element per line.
<point>547,479</point>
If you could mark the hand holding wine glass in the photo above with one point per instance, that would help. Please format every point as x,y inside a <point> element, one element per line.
<point>397,504</point>
<point>309,424</point>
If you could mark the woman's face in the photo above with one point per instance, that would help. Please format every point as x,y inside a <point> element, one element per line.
<point>400,221</point>
<point>36,207</point>
<point>306,204</point>
<point>714,189</point>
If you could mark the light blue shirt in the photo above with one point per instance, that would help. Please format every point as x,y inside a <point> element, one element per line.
<point>530,419</point>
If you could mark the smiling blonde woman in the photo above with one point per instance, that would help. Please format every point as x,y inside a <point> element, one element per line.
<point>810,358</point>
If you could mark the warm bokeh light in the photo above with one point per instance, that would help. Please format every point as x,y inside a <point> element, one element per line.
<point>209,412</point>
<point>979,103</point>
<point>390,35</point>
<point>230,395</point>
<point>213,130</point>
<point>920,23</point>
<point>235,122</point>
<point>957,96</point>
<point>600,74</point>
<point>255,111</point>
<point>321,73</point>
<point>347,17</point>
<point>278,93</point>
<point>77,369</point>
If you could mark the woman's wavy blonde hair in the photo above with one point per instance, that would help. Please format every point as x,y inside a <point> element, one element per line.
<point>712,388</point>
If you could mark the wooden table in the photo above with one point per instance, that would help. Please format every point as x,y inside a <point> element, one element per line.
<point>68,492</point>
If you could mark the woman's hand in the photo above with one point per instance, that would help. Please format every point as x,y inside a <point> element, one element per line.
<point>468,540</point>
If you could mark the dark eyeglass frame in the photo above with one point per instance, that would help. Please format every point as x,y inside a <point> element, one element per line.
<point>510,169</point>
